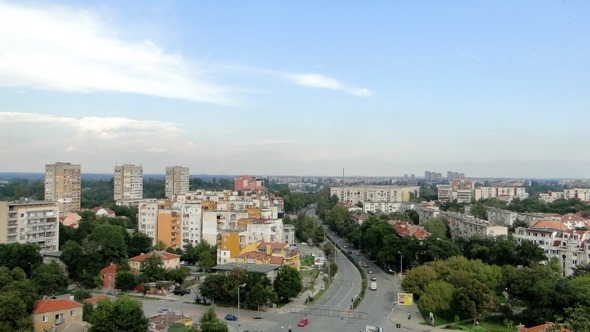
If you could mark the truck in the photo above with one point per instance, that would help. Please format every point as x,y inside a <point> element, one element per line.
<point>373,285</point>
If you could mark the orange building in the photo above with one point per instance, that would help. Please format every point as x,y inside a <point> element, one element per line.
<point>271,253</point>
<point>170,261</point>
<point>107,275</point>
<point>169,228</point>
<point>228,246</point>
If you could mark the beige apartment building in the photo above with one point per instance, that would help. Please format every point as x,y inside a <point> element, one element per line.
<point>177,181</point>
<point>63,185</point>
<point>28,221</point>
<point>128,182</point>
<point>355,194</point>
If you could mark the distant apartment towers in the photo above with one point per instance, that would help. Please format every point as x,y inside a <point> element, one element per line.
<point>128,182</point>
<point>63,185</point>
<point>434,176</point>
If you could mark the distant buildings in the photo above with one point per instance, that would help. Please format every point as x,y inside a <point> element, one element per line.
<point>177,181</point>
<point>28,221</point>
<point>362,194</point>
<point>432,176</point>
<point>248,183</point>
<point>63,185</point>
<point>128,182</point>
<point>464,191</point>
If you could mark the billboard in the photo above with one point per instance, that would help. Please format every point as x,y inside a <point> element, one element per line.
<point>405,298</point>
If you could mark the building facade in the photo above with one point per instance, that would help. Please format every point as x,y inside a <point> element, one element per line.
<point>355,194</point>
<point>28,221</point>
<point>63,185</point>
<point>128,182</point>
<point>177,181</point>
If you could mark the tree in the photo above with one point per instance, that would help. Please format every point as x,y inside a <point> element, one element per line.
<point>476,299</point>
<point>179,274</point>
<point>13,313</point>
<point>23,255</point>
<point>111,241</point>
<point>210,322</point>
<point>138,243</point>
<point>123,314</point>
<point>50,279</point>
<point>287,283</point>
<point>436,227</point>
<point>152,269</point>
<point>125,280</point>
<point>437,297</point>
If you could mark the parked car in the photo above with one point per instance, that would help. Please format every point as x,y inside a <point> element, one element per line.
<point>231,317</point>
<point>164,309</point>
<point>259,315</point>
<point>373,278</point>
<point>350,252</point>
<point>303,322</point>
<point>181,292</point>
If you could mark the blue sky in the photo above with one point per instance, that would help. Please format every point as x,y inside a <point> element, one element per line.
<point>380,88</point>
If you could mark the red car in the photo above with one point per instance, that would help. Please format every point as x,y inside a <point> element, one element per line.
<point>303,322</point>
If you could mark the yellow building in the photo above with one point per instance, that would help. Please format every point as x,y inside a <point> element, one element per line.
<point>56,314</point>
<point>271,253</point>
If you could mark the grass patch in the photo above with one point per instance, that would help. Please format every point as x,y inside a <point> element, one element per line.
<point>306,260</point>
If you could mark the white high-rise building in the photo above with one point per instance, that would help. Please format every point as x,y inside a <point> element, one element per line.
<point>177,181</point>
<point>28,221</point>
<point>128,182</point>
<point>63,185</point>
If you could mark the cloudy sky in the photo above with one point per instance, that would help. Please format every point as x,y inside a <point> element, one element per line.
<point>379,88</point>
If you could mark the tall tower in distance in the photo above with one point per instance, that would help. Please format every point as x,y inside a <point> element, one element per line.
<point>177,181</point>
<point>128,182</point>
<point>63,185</point>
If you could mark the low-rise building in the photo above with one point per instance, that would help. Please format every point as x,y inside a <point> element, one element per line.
<point>170,260</point>
<point>57,315</point>
<point>108,276</point>
<point>465,226</point>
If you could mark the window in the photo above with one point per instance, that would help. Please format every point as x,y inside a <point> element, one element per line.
<point>45,319</point>
<point>73,313</point>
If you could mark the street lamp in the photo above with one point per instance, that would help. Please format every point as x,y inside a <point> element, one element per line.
<point>401,259</point>
<point>238,320</point>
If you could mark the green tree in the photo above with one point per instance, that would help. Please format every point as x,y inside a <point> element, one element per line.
<point>125,280</point>
<point>138,243</point>
<point>152,269</point>
<point>13,313</point>
<point>123,314</point>
<point>287,283</point>
<point>436,227</point>
<point>476,299</point>
<point>50,279</point>
<point>111,241</point>
<point>437,297</point>
<point>179,274</point>
<point>210,322</point>
<point>23,255</point>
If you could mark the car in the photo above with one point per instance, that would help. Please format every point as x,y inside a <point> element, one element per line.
<point>358,253</point>
<point>303,322</point>
<point>365,264</point>
<point>259,316</point>
<point>349,252</point>
<point>373,278</point>
<point>370,271</point>
<point>164,309</point>
<point>181,292</point>
<point>231,317</point>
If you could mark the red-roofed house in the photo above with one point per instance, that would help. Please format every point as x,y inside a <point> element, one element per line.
<point>271,253</point>
<point>70,219</point>
<point>58,314</point>
<point>404,228</point>
<point>95,299</point>
<point>108,275</point>
<point>104,212</point>
<point>170,261</point>
<point>543,328</point>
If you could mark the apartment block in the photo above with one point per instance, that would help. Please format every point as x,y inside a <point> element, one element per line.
<point>248,183</point>
<point>465,226</point>
<point>169,230</point>
<point>128,182</point>
<point>28,221</point>
<point>177,181</point>
<point>570,247</point>
<point>355,194</point>
<point>63,185</point>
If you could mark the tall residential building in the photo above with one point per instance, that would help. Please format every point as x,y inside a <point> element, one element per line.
<point>63,185</point>
<point>28,221</point>
<point>177,180</point>
<point>128,182</point>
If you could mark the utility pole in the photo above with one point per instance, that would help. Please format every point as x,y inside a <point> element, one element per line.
<point>401,259</point>
<point>239,286</point>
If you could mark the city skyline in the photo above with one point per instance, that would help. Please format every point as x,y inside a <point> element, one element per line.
<point>490,89</point>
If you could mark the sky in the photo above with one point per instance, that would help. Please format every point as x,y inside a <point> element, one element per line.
<point>377,88</point>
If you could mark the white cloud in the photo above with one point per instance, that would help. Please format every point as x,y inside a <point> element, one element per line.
<point>60,49</point>
<point>265,142</point>
<point>325,82</point>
